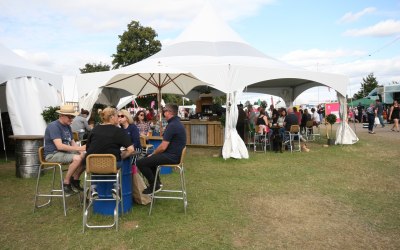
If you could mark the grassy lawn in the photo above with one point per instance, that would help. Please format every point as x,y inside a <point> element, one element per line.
<point>340,197</point>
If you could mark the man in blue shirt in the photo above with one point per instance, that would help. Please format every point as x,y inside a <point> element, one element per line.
<point>169,151</point>
<point>59,146</point>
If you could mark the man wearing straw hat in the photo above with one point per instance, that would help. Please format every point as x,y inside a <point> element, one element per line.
<point>59,146</point>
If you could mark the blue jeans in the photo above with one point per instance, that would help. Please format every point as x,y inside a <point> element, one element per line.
<point>381,120</point>
<point>371,121</point>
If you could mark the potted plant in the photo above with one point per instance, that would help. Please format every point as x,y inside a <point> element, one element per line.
<point>49,114</point>
<point>331,119</point>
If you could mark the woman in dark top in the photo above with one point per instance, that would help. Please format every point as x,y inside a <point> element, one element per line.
<point>304,119</point>
<point>394,114</point>
<point>108,138</point>
<point>126,122</point>
<point>262,122</point>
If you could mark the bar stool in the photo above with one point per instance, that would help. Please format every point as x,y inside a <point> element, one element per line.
<point>310,135</point>
<point>101,168</point>
<point>45,166</point>
<point>146,148</point>
<point>181,191</point>
<point>292,138</point>
<point>262,138</point>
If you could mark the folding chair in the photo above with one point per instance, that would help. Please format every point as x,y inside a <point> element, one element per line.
<point>181,191</point>
<point>45,166</point>
<point>310,135</point>
<point>101,168</point>
<point>292,138</point>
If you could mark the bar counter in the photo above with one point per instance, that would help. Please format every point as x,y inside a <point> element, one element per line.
<point>204,132</point>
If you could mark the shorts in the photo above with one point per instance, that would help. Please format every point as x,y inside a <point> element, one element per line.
<point>62,157</point>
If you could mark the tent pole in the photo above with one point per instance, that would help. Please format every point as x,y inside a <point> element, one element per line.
<point>2,135</point>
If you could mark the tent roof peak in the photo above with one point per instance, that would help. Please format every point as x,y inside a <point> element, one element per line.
<point>208,26</point>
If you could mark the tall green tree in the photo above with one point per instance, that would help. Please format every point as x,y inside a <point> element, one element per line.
<point>136,44</point>
<point>369,83</point>
<point>94,67</point>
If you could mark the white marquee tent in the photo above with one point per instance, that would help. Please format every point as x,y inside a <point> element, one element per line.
<point>217,55</point>
<point>25,90</point>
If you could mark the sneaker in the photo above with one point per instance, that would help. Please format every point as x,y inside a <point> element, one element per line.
<point>149,190</point>
<point>68,189</point>
<point>94,194</point>
<point>76,185</point>
<point>371,132</point>
<point>115,194</point>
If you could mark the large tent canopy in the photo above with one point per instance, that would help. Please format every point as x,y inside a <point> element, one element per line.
<point>13,66</point>
<point>214,53</point>
<point>26,89</point>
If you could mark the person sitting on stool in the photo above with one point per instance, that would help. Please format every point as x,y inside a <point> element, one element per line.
<point>169,151</point>
<point>59,146</point>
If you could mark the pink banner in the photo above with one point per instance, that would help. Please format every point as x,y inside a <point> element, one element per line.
<point>332,108</point>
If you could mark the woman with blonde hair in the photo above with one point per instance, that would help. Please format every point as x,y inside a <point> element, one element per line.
<point>126,122</point>
<point>108,137</point>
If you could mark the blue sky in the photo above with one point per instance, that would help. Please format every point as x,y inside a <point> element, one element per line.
<point>353,38</point>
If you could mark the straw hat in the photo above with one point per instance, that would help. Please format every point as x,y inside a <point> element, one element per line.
<point>67,110</point>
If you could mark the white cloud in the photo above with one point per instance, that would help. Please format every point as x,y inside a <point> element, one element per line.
<point>385,70</point>
<point>316,59</point>
<point>352,17</point>
<point>38,58</point>
<point>384,28</point>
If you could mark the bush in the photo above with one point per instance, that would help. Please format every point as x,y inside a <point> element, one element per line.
<point>331,119</point>
<point>49,114</point>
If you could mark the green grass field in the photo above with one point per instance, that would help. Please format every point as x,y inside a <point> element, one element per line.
<point>338,197</point>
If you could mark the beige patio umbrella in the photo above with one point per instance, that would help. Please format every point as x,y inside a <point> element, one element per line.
<point>147,79</point>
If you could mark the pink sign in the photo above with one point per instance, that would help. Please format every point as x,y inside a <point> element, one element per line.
<point>332,108</point>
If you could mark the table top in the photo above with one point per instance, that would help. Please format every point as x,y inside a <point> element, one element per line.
<point>154,137</point>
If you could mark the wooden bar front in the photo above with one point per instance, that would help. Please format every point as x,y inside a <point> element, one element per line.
<point>204,133</point>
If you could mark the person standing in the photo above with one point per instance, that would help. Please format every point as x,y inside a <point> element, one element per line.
<point>291,119</point>
<point>360,112</point>
<point>142,123</point>
<point>379,112</point>
<point>304,119</point>
<point>274,113</point>
<point>169,151</point>
<point>241,121</point>
<point>315,117</point>
<point>394,114</point>
<point>371,118</point>
<point>59,146</point>
<point>298,114</point>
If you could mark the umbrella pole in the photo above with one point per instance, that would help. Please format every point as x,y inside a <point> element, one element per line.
<point>160,111</point>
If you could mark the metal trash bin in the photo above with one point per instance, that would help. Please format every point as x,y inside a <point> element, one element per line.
<point>27,161</point>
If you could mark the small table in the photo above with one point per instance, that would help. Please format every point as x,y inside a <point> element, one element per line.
<point>26,155</point>
<point>104,190</point>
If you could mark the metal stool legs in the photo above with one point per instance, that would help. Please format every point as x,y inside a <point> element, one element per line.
<point>89,201</point>
<point>53,192</point>
<point>182,191</point>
